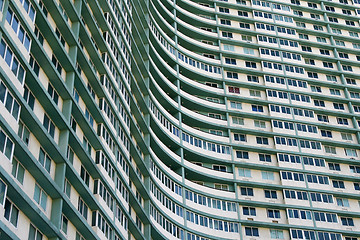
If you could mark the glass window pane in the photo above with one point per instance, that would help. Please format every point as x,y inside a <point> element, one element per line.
<point>8,148</point>
<point>43,200</point>
<point>2,92</point>
<point>9,101</point>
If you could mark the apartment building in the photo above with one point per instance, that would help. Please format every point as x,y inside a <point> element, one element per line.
<point>179,119</point>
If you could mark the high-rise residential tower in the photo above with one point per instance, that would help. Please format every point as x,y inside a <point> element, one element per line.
<point>179,119</point>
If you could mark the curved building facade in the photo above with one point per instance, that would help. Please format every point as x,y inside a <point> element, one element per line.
<point>182,119</point>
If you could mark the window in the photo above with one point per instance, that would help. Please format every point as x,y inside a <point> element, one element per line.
<point>255,93</point>
<point>319,162</point>
<point>303,113</point>
<point>39,36</point>
<point>347,68</point>
<point>301,35</point>
<point>252,231</point>
<point>6,145</point>
<point>350,152</point>
<point>267,175</point>
<point>333,19</point>
<point>246,191</point>
<point>244,172</point>
<point>44,160</point>
<point>342,121</point>
<point>262,140</point>
<point>24,133</point>
<point>270,194</point>
<point>49,125</point>
<point>246,38</point>
<point>234,90</point>
<point>317,179</point>
<point>345,221</point>
<point>338,184</point>
<point>326,133</point>
<point>232,75</point>
<point>225,22</point>
<point>220,168</point>
<point>249,211</point>
<point>324,52</point>
<point>331,78</point>
<point>312,5</point>
<point>210,84</point>
<point>306,128</point>
<point>56,64</point>
<point>249,51</point>
<point>82,208</point>
<point>323,118</point>
<point>243,14</point>
<point>343,55</point>
<point>84,175</point>
<point>53,94</point>
<point>335,92</point>
<point>286,141</point>
<point>351,238</point>
<point>227,34</point>
<point>353,34</point>
<point>276,234</point>
<point>214,115</point>
<point>23,36</point>
<point>34,233</point>
<point>273,213</point>
<point>264,157</point>
<point>306,49</point>
<point>319,103</point>
<point>223,10</point>
<point>350,23</point>
<point>236,105</point>
<point>334,166</point>
<point>312,75</point>
<point>342,202</point>
<point>296,195</point>
<point>239,137</point>
<point>11,212</point>
<point>250,64</point>
<point>328,65</point>
<point>336,31</point>
<point>40,196</point>
<point>7,54</point>
<point>242,154</point>
<point>64,224</point>
<point>321,197</point>
<point>221,186</point>
<point>89,117</point>
<point>356,45</point>
<point>67,188</point>
<point>18,171</point>
<point>11,104</point>
<point>325,217</point>
<point>244,25</point>
<point>231,61</point>
<point>238,121</point>
<point>330,149</point>
<point>29,9</point>
<point>257,108</point>
<point>300,214</point>
<point>354,169</point>
<point>292,176</point>
<point>259,124</point>
<point>29,97</point>
<point>355,95</point>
